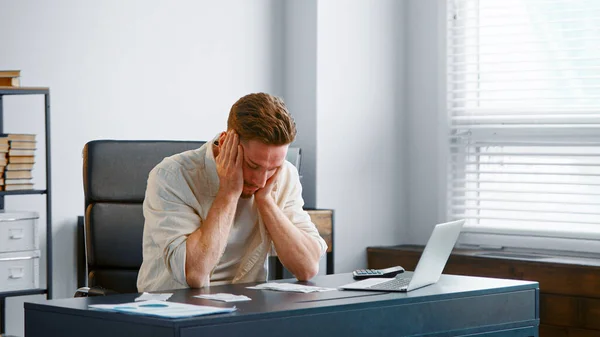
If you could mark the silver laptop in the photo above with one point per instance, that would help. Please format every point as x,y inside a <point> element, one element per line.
<point>430,266</point>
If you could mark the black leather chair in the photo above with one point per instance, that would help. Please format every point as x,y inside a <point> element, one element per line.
<point>115,173</point>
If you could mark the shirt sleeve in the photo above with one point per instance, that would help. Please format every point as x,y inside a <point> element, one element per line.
<point>293,210</point>
<point>169,219</point>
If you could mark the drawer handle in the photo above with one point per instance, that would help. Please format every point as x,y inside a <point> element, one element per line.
<point>16,273</point>
<point>18,258</point>
<point>16,234</point>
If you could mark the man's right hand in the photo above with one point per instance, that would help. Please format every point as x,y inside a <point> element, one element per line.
<point>205,246</point>
<point>229,165</point>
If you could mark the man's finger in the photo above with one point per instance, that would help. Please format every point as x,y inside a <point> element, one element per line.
<point>240,156</point>
<point>233,145</point>
<point>273,178</point>
<point>225,150</point>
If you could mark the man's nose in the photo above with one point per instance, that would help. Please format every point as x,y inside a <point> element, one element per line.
<point>259,179</point>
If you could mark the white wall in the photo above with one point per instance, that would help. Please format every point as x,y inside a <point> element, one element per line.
<point>425,93</point>
<point>361,131</point>
<point>129,70</point>
<point>300,85</point>
<point>152,69</point>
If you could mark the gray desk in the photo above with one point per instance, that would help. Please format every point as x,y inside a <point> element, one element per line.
<point>455,306</point>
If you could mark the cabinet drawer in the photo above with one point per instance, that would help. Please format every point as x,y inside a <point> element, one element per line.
<point>18,231</point>
<point>19,270</point>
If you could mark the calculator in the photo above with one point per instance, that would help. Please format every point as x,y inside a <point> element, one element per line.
<point>361,274</point>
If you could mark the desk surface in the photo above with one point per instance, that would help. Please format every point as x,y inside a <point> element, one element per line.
<point>456,303</point>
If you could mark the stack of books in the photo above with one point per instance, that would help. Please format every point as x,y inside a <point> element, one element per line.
<point>18,161</point>
<point>10,78</point>
<point>3,159</point>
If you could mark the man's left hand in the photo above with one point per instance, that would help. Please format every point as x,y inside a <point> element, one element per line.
<point>264,194</point>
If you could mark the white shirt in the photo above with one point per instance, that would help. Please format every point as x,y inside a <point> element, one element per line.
<point>244,226</point>
<point>179,194</point>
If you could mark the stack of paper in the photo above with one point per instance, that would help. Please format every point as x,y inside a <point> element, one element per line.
<point>291,287</point>
<point>162,309</point>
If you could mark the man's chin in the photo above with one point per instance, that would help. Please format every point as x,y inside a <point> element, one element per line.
<point>247,195</point>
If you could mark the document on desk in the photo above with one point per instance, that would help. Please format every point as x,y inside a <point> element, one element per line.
<point>290,287</point>
<point>223,297</point>
<point>158,297</point>
<point>162,309</point>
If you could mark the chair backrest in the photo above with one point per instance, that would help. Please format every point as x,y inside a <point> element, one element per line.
<point>115,173</point>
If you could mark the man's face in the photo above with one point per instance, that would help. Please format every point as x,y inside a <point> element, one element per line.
<point>261,161</point>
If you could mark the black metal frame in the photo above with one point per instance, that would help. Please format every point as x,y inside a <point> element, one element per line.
<point>47,192</point>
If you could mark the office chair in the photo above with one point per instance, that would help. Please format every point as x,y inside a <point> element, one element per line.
<point>115,173</point>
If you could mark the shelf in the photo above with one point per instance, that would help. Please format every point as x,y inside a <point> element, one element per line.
<point>45,191</point>
<point>23,90</point>
<point>26,292</point>
<point>22,192</point>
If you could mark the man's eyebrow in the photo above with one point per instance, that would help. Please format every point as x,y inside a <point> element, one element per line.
<point>251,162</point>
<point>255,164</point>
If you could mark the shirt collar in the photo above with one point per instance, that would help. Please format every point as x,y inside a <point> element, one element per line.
<point>211,167</point>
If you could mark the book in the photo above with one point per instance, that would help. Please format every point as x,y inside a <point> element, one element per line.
<point>21,160</point>
<point>20,153</point>
<point>10,78</point>
<point>22,145</point>
<point>4,148</point>
<point>21,136</point>
<point>17,167</point>
<point>17,181</point>
<point>10,73</point>
<point>10,82</point>
<point>18,187</point>
<point>17,174</point>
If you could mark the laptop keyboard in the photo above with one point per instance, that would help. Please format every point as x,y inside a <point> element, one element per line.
<point>395,284</point>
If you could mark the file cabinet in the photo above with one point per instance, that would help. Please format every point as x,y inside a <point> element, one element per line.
<point>19,251</point>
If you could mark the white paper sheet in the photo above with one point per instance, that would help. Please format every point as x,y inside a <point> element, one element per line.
<point>223,297</point>
<point>162,309</point>
<point>290,287</point>
<point>157,297</point>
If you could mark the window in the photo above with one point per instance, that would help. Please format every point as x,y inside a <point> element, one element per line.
<point>524,117</point>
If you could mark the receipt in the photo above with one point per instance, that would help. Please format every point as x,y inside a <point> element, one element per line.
<point>223,297</point>
<point>153,297</point>
<point>290,287</point>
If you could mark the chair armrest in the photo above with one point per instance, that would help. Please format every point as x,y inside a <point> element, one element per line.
<point>93,291</point>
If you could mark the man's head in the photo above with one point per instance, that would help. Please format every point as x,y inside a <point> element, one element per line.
<point>266,129</point>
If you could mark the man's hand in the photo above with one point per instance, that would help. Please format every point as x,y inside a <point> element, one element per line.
<point>264,194</point>
<point>205,246</point>
<point>229,165</point>
<point>297,250</point>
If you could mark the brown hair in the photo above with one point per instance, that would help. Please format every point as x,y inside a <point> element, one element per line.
<point>262,117</point>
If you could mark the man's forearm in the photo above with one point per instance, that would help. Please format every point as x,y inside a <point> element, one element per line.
<point>205,246</point>
<point>297,251</point>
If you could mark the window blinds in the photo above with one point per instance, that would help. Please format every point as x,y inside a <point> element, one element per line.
<point>523,101</point>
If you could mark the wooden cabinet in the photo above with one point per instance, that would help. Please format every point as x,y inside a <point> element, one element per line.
<point>569,286</point>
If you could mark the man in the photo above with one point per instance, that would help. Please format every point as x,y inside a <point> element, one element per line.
<point>214,214</point>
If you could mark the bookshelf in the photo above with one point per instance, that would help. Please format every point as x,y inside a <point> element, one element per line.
<point>10,91</point>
